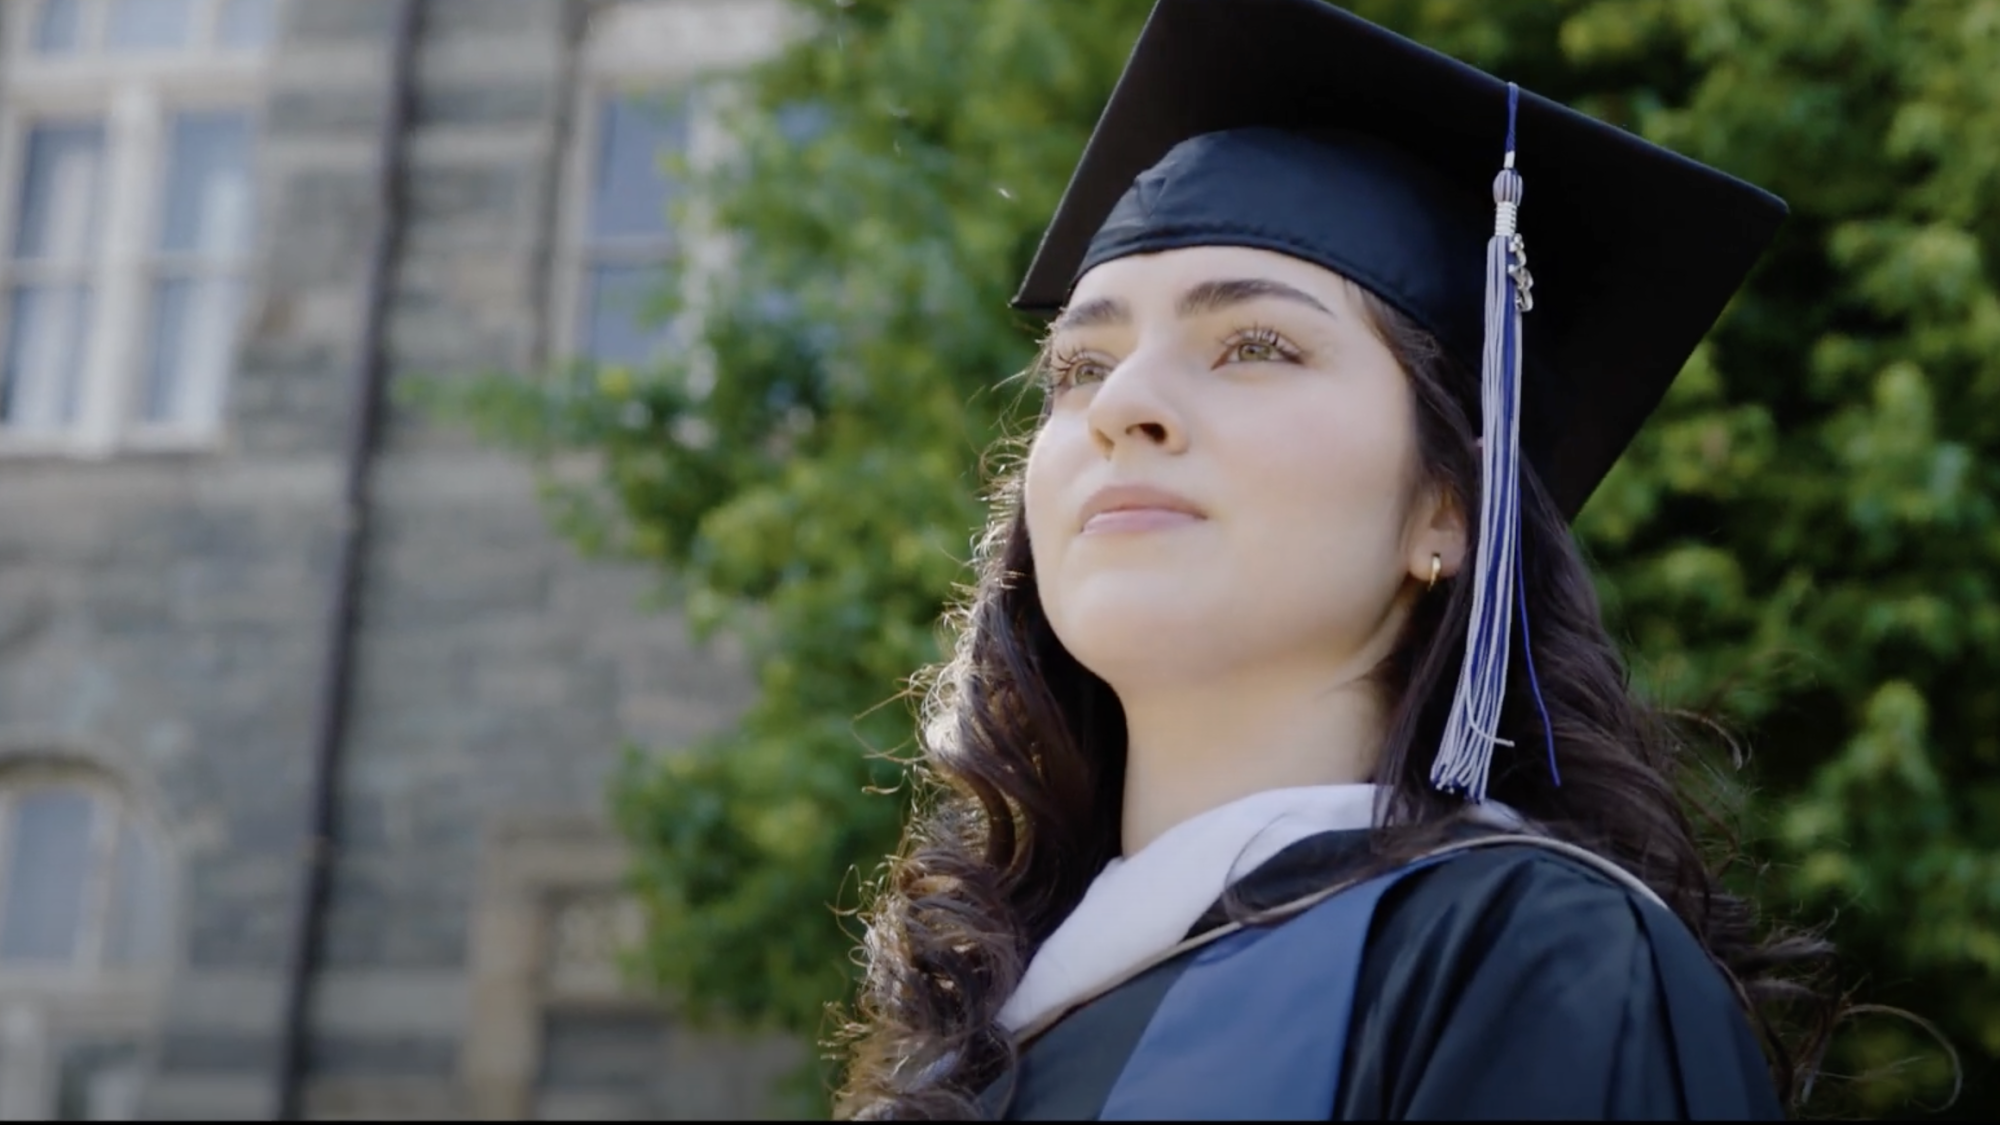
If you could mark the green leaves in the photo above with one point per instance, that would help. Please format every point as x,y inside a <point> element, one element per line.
<point>1805,540</point>
<point>1837,449</point>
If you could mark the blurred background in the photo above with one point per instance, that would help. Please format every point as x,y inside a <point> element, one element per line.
<point>477,477</point>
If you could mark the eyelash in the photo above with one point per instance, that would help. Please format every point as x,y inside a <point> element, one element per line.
<point>1060,369</point>
<point>1286,351</point>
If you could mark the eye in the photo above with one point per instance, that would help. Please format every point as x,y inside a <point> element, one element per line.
<point>1073,367</point>
<point>1260,345</point>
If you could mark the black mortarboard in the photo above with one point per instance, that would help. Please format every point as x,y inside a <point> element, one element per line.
<point>1295,126</point>
<point>1636,249</point>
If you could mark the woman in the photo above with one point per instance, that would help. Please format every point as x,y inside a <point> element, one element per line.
<point>1286,769</point>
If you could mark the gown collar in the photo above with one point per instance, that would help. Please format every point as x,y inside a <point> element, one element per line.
<point>1145,904</point>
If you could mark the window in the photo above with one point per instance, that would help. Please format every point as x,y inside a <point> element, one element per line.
<point>127,196</point>
<point>79,882</point>
<point>197,271</point>
<point>557,1031</point>
<point>626,243</point>
<point>546,989</point>
<point>637,110</point>
<point>74,27</point>
<point>50,267</point>
<point>605,1051</point>
<point>83,940</point>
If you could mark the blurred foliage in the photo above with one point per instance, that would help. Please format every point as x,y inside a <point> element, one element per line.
<point>1804,542</point>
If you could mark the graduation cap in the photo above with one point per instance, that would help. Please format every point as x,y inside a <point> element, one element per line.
<point>1295,126</point>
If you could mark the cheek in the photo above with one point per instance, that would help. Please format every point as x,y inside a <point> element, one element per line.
<point>1053,462</point>
<point>1342,458</point>
<point>1333,480</point>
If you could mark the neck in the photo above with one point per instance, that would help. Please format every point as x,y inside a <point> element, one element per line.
<point>1192,748</point>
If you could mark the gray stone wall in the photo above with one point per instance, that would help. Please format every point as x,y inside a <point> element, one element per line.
<point>163,615</point>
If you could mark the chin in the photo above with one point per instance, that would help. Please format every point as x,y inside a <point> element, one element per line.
<point>1135,632</point>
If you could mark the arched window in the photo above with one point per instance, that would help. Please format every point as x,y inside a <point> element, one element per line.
<point>84,903</point>
<point>80,889</point>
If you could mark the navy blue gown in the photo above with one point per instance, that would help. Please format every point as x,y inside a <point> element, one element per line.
<point>1507,982</point>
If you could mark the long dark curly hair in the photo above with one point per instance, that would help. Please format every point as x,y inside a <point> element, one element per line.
<point>1020,784</point>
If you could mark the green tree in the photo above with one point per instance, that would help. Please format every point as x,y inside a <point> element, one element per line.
<point>807,473</point>
<point>1804,541</point>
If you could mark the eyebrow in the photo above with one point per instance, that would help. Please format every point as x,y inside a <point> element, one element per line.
<point>1207,297</point>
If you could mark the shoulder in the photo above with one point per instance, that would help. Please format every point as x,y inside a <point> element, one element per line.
<point>1547,918</point>
<point>1519,980</point>
<point>1502,879</point>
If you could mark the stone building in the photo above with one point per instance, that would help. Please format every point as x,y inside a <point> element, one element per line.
<point>305,716</point>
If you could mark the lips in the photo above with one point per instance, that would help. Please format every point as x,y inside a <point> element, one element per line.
<point>1136,507</point>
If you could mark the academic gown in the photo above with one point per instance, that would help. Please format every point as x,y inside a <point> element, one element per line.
<point>1509,982</point>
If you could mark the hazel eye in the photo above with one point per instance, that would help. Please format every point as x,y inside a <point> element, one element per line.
<point>1260,345</point>
<point>1076,368</point>
<point>1088,370</point>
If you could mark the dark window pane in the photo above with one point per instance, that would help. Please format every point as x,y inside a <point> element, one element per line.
<point>48,871</point>
<point>247,24</point>
<point>630,194</point>
<point>41,376</point>
<point>149,25</point>
<point>137,933</point>
<point>208,204</point>
<point>60,28</point>
<point>98,1080</point>
<point>603,1051</point>
<point>57,220</point>
<point>193,338</point>
<point>619,328</point>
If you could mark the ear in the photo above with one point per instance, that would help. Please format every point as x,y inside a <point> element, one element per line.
<point>1437,528</point>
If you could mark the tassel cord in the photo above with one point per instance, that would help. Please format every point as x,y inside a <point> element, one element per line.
<point>1465,758</point>
<point>1527,643</point>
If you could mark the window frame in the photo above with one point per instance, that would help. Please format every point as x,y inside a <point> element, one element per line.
<point>24,19</point>
<point>650,48</point>
<point>577,251</point>
<point>135,96</point>
<point>112,814</point>
<point>15,131</point>
<point>45,1009</point>
<point>533,866</point>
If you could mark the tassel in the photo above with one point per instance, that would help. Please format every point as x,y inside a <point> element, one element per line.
<point>1465,759</point>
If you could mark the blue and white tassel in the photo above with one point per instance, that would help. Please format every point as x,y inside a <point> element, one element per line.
<point>1465,759</point>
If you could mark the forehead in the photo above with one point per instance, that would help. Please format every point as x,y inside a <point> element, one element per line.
<point>1156,280</point>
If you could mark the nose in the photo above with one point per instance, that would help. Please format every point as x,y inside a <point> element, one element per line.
<point>1132,407</point>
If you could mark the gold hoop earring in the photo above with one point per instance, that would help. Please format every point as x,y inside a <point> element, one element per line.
<point>1437,565</point>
